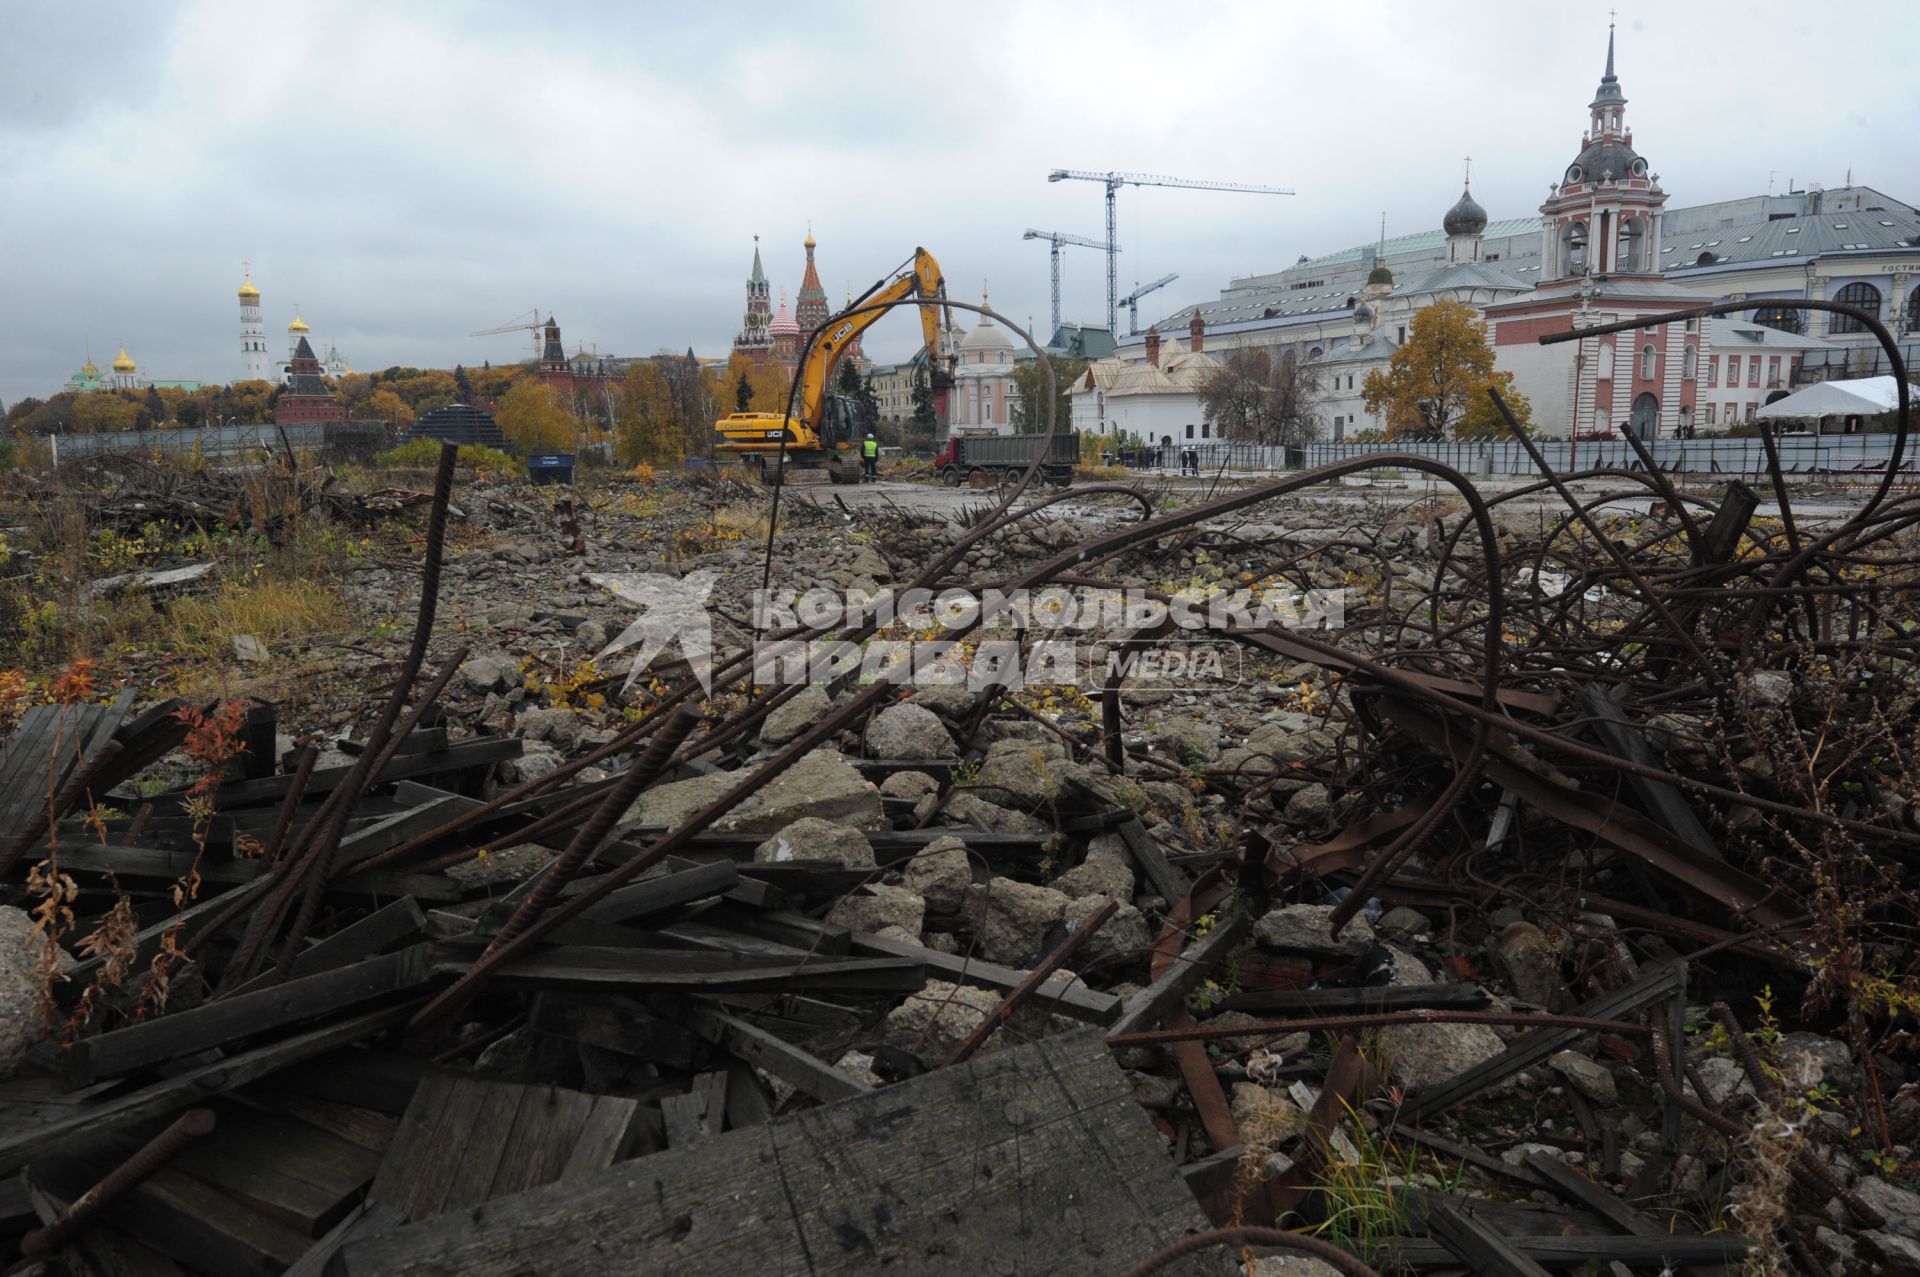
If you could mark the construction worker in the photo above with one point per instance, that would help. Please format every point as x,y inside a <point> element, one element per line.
<point>870,459</point>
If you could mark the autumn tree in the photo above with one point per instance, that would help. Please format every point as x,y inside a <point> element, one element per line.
<point>188,413</point>
<point>1263,396</point>
<point>104,411</point>
<point>1030,391</point>
<point>1436,385</point>
<point>647,424</point>
<point>490,384</point>
<point>21,410</point>
<point>424,391</point>
<point>247,402</point>
<point>386,406</point>
<point>926,416</point>
<point>533,421</point>
<point>694,406</point>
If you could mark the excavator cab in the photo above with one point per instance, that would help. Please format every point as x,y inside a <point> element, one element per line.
<point>840,424</point>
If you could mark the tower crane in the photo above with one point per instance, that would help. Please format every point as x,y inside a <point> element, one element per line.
<point>1132,302</point>
<point>529,322</point>
<point>1055,239</point>
<point>1114,181</point>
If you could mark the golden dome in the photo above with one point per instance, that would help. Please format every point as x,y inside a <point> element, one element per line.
<point>809,243</point>
<point>124,362</point>
<point>90,368</point>
<point>298,325</point>
<point>248,290</point>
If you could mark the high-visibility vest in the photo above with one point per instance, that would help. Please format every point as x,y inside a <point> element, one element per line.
<point>870,448</point>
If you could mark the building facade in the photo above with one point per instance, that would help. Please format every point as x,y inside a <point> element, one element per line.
<point>982,398</point>
<point>1605,246</point>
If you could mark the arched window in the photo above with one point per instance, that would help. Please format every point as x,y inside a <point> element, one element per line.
<point>1633,240</point>
<point>1787,321</point>
<point>1646,363</point>
<point>1605,369</point>
<point>1705,259</point>
<point>1866,297</point>
<point>1687,358</point>
<point>1573,249</point>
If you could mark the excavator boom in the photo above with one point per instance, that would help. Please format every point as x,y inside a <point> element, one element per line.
<point>810,436</point>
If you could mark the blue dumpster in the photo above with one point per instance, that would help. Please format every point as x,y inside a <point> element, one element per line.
<point>550,468</point>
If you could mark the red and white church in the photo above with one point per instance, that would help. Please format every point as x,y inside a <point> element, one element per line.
<point>1600,255</point>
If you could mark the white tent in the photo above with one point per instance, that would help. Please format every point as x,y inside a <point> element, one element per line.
<point>1864,397</point>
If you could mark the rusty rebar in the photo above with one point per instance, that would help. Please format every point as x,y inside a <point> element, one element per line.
<point>1034,979</point>
<point>1250,1235</point>
<point>157,1152</point>
<point>584,844</point>
<point>643,772</point>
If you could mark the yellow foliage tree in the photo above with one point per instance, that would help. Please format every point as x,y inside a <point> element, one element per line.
<point>104,411</point>
<point>647,417</point>
<point>490,385</point>
<point>386,406</point>
<point>533,420</point>
<point>768,385</point>
<point>1436,385</point>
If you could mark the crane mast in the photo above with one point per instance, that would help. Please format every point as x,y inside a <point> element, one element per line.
<point>1055,239</point>
<point>1132,301</point>
<point>1113,182</point>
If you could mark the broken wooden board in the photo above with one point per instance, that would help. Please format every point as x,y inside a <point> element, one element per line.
<point>464,1142</point>
<point>1034,1160</point>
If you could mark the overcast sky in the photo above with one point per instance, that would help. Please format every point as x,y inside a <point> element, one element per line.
<point>409,173</point>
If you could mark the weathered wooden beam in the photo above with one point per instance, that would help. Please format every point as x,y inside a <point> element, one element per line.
<point>693,971</point>
<point>191,1086</point>
<point>1169,882</point>
<point>805,1072</point>
<point>1361,1000</point>
<point>240,1015</point>
<point>1484,1250</point>
<point>1063,992</point>
<point>1531,1048</point>
<point>1146,1008</point>
<point>1555,1251</point>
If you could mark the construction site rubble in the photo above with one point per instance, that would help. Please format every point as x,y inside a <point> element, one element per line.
<point>1501,927</point>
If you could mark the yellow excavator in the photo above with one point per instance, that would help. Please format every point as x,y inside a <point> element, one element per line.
<point>824,431</point>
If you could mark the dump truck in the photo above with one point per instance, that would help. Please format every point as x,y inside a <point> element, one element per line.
<point>982,460</point>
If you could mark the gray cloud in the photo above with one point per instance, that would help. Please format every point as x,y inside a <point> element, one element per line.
<point>410,173</point>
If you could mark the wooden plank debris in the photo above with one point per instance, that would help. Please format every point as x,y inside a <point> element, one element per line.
<point>1033,1160</point>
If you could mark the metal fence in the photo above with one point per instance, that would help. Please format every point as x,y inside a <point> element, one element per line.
<point>352,438</point>
<point>1799,454</point>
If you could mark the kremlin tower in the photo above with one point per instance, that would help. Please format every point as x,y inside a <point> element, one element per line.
<point>753,340</point>
<point>810,307</point>
<point>253,333</point>
<point>306,397</point>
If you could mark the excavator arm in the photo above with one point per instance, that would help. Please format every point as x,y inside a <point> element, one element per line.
<point>809,439</point>
<point>921,279</point>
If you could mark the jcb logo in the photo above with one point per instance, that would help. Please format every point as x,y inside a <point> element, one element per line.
<point>841,334</point>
